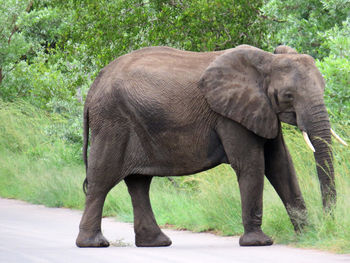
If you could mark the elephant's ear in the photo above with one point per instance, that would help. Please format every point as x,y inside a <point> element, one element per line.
<point>233,85</point>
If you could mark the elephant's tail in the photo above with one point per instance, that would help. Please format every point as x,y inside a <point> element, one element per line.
<point>85,146</point>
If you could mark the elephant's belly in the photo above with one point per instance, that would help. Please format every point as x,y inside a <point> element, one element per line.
<point>185,166</point>
<point>176,154</point>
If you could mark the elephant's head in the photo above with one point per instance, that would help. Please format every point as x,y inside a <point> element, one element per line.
<point>259,89</point>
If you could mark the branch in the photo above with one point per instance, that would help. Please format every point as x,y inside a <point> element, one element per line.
<point>29,6</point>
<point>227,40</point>
<point>271,18</point>
<point>15,28</point>
<point>125,11</point>
<point>266,17</point>
<point>2,75</point>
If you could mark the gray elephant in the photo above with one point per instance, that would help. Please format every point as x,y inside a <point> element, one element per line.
<point>164,112</point>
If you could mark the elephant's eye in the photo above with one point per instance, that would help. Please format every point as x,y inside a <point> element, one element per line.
<point>288,96</point>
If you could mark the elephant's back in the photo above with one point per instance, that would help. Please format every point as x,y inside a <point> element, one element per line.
<point>165,62</point>
<point>157,79</point>
<point>166,59</point>
<point>155,65</point>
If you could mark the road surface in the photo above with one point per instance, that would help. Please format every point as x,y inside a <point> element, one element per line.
<point>33,233</point>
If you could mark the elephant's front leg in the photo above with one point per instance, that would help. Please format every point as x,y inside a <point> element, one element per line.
<point>147,231</point>
<point>245,152</point>
<point>281,174</point>
<point>251,184</point>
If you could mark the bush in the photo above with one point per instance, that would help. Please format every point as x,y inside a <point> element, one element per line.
<point>336,71</point>
<point>38,82</point>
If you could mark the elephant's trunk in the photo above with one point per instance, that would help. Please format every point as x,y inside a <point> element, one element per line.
<point>319,130</point>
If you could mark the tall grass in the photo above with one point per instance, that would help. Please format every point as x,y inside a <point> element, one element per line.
<point>34,165</point>
<point>38,166</point>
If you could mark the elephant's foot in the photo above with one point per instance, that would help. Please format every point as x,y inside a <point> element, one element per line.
<point>91,239</point>
<point>256,238</point>
<point>159,240</point>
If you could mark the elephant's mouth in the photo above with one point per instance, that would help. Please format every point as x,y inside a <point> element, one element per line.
<point>289,117</point>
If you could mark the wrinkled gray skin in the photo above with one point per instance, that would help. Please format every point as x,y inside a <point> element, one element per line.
<point>164,112</point>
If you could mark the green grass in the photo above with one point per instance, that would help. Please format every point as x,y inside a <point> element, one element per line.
<point>38,165</point>
<point>34,165</point>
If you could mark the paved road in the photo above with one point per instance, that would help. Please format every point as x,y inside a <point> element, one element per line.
<point>32,233</point>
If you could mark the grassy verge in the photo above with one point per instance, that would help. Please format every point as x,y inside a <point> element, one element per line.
<point>39,166</point>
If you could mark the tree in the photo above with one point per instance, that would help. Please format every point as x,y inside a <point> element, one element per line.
<point>109,29</point>
<point>12,42</point>
<point>302,24</point>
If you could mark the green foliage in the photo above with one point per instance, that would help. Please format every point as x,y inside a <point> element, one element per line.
<point>38,82</point>
<point>337,94</point>
<point>206,25</point>
<point>302,24</point>
<point>35,133</point>
<point>12,43</point>
<point>44,26</point>
<point>336,71</point>
<point>33,66</point>
<point>37,162</point>
<point>111,28</point>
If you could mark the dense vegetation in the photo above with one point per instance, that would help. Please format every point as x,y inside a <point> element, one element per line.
<point>50,52</point>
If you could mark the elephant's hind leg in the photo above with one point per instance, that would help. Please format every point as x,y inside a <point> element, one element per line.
<point>104,172</point>
<point>100,182</point>
<point>90,234</point>
<point>147,231</point>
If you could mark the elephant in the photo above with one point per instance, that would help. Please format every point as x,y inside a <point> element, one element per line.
<point>160,111</point>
